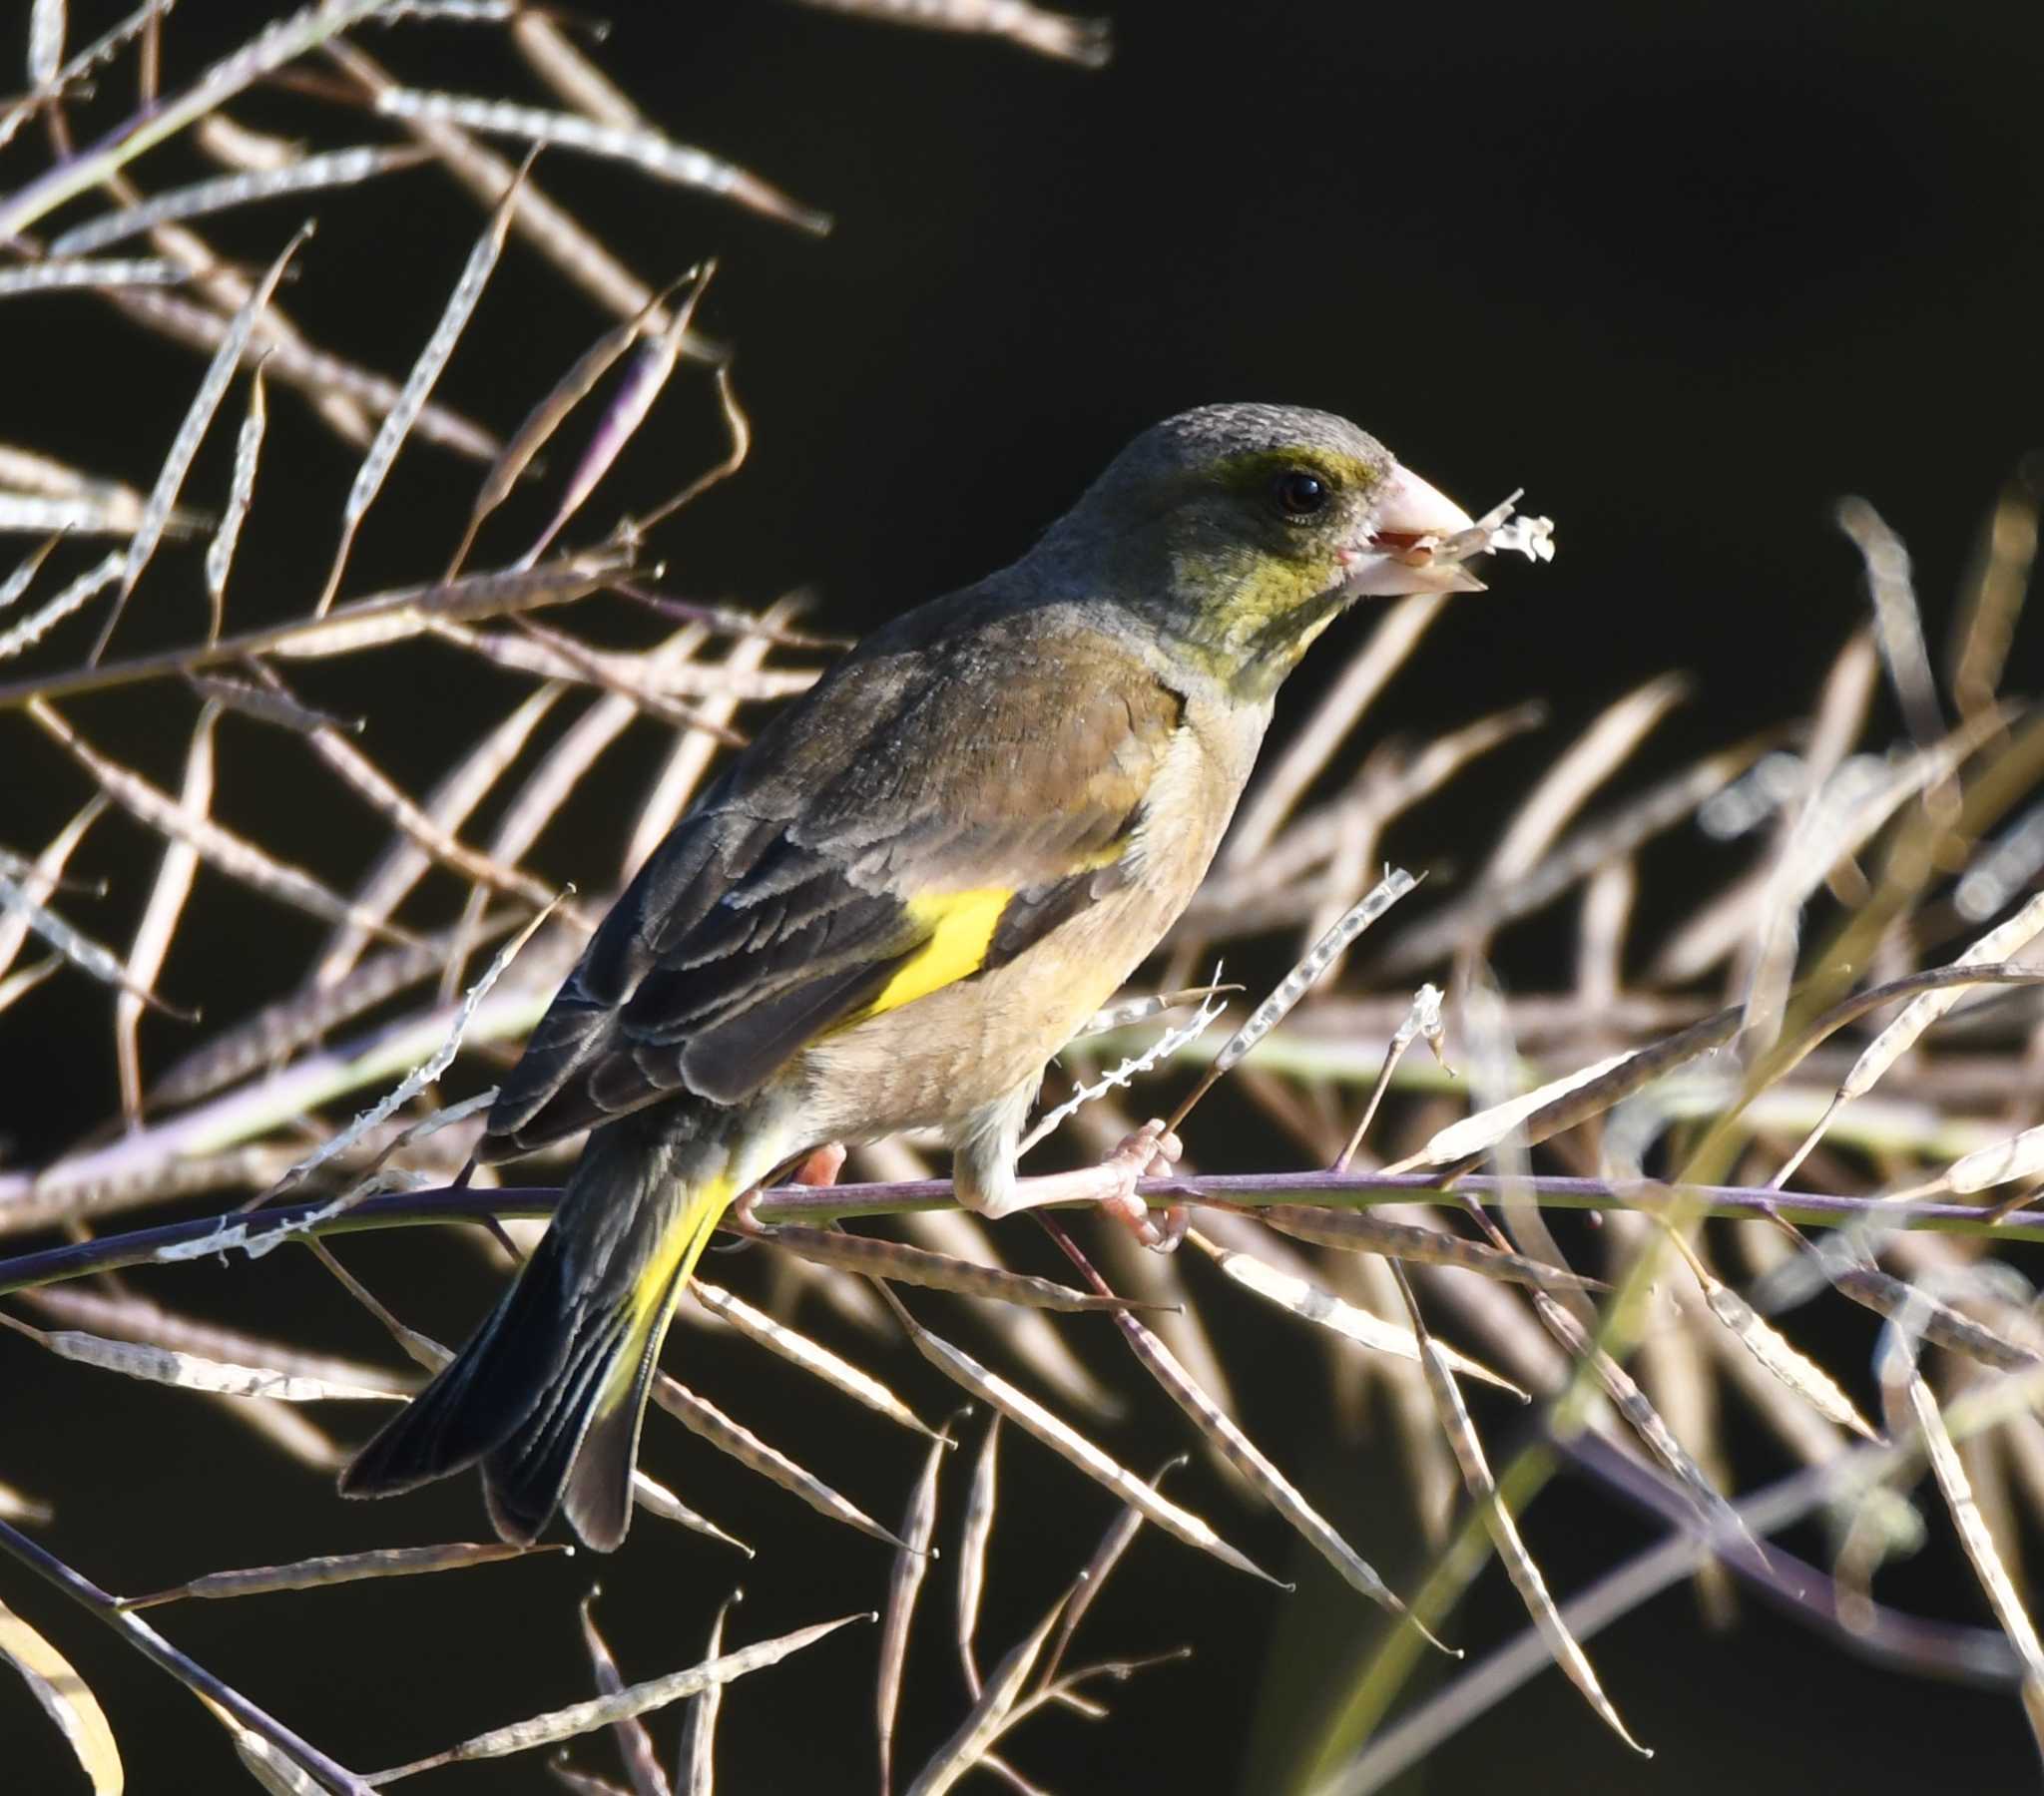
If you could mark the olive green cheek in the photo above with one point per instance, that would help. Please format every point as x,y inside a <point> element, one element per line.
<point>1255,613</point>
<point>1245,587</point>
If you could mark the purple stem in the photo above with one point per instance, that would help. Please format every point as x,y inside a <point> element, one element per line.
<point>791,1203</point>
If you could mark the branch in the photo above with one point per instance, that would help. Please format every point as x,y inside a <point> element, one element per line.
<point>194,1676</point>
<point>259,1232</point>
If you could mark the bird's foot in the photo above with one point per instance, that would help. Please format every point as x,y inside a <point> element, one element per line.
<point>820,1166</point>
<point>1151,1151</point>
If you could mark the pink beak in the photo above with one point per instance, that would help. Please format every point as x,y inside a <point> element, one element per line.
<point>1412,517</point>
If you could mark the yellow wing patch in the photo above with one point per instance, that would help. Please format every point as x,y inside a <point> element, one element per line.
<point>961,926</point>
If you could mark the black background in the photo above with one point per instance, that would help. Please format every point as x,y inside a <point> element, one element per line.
<point>1686,273</point>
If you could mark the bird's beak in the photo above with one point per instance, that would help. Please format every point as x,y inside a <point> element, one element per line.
<point>1411,519</point>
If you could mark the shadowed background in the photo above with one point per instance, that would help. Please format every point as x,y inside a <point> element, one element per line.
<point>1687,274</point>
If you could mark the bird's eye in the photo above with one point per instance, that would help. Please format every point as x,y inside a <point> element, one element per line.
<point>1299,494</point>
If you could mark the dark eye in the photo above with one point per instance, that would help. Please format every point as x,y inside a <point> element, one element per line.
<point>1300,494</point>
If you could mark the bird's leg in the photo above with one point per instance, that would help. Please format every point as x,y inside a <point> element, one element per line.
<point>820,1166</point>
<point>1150,1150</point>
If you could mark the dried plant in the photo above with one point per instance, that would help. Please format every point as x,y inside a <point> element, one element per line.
<point>1703,1086</point>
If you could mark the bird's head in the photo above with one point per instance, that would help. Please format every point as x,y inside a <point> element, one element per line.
<point>1239,533</point>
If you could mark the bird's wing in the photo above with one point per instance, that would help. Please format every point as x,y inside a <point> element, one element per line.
<point>920,819</point>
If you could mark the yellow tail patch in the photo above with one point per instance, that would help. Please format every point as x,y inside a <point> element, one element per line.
<point>653,1292</point>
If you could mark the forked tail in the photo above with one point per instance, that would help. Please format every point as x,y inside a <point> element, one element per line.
<point>549,1393</point>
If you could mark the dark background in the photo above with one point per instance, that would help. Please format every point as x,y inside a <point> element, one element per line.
<point>1686,273</point>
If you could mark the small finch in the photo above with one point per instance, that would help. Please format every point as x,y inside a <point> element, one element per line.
<point>898,903</point>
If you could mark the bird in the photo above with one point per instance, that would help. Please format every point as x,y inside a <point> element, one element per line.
<point>893,907</point>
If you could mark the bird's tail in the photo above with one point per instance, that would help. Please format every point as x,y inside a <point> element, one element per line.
<point>549,1393</point>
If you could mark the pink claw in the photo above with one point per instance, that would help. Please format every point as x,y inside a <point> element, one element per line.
<point>1152,1150</point>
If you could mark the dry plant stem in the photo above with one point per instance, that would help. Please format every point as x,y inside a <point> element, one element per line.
<point>317,1573</point>
<point>1591,845</point>
<point>903,1264</point>
<point>694,1773</point>
<point>639,1699</point>
<point>904,1588</point>
<point>1394,885</point>
<point>1066,36</point>
<point>363,622</point>
<point>553,57</point>
<point>1066,1440</point>
<point>1907,865</point>
<point>1238,1451</point>
<point>339,390</point>
<point>1978,1541</point>
<point>548,415</point>
<point>1355,1232</point>
<point>68,1702</point>
<point>1999,585</point>
<point>80,950</point>
<point>544,791</point>
<point>706,1420</point>
<point>1093,1575</point>
<point>191,432</point>
<point>1903,1643</point>
<point>651,365</point>
<point>990,1714</point>
<point>376,788</point>
<point>447,807</point>
<point>1726,927</point>
<point>130,1318</point>
<point>418,384</point>
<point>1558,794</point>
<point>228,289</point>
<point>276,45</point>
<point>1486,1026</point>
<point>1391,783</point>
<point>1497,1519</point>
<point>1898,624</point>
<point>411,1208</point>
<point>656,670</point>
<point>1917,1644</point>
<point>975,1535</point>
<point>1564,1103</point>
<point>645,148</point>
<point>799,1349</point>
<point>1029,1334</point>
<point>220,553</point>
<point>548,227</point>
<point>338,168</point>
<point>160,1654</point>
<point>1425,1020</point>
<point>1791,1369</point>
<point>633,1744</point>
<point>1287,1282</point>
<point>278,1030</point>
<point>232,854</point>
<point>614,679</point>
<point>1997,945</point>
<point>92,274</point>
<point>740,429</point>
